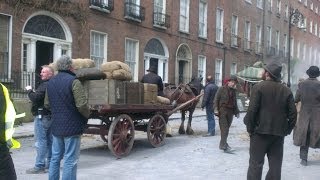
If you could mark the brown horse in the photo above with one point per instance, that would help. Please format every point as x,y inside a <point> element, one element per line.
<point>182,94</point>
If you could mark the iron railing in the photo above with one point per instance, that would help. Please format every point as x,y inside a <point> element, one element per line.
<point>161,19</point>
<point>134,11</point>
<point>17,82</point>
<point>102,4</point>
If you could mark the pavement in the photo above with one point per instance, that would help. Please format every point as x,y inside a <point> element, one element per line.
<point>27,129</point>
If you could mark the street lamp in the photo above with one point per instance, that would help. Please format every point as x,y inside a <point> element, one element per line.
<point>294,18</point>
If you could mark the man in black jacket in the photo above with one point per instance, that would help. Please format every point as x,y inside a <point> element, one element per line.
<point>153,78</point>
<point>270,117</point>
<point>42,123</point>
<point>207,102</point>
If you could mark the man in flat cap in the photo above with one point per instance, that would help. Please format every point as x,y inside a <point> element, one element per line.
<point>225,107</point>
<point>271,116</point>
<point>307,131</point>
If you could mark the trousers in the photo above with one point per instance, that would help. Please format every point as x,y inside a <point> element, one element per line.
<point>260,145</point>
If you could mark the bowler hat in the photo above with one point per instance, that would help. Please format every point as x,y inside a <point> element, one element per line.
<point>274,69</point>
<point>152,69</point>
<point>313,71</point>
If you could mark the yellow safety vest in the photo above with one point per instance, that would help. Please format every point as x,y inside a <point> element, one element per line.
<point>10,116</point>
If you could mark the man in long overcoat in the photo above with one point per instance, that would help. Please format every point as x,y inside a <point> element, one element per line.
<point>153,78</point>
<point>271,115</point>
<point>307,130</point>
<point>225,107</point>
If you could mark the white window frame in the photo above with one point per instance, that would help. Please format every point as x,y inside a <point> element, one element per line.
<point>258,39</point>
<point>233,68</point>
<point>260,4</point>
<point>278,6</point>
<point>184,18</point>
<point>96,53</point>
<point>234,31</point>
<point>270,5</point>
<point>202,63</point>
<point>203,18</point>
<point>277,42</point>
<point>218,72</point>
<point>269,36</point>
<point>286,11</point>
<point>159,7</point>
<point>9,45</point>
<point>247,31</point>
<point>219,25</point>
<point>292,47</point>
<point>311,26</point>
<point>306,3</point>
<point>133,62</point>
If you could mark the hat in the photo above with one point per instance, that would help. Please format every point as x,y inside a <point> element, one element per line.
<point>233,78</point>
<point>152,69</point>
<point>313,71</point>
<point>274,69</point>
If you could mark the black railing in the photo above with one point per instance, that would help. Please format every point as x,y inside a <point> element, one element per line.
<point>134,11</point>
<point>17,82</point>
<point>103,4</point>
<point>161,19</point>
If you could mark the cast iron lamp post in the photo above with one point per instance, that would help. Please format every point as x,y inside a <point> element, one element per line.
<point>294,17</point>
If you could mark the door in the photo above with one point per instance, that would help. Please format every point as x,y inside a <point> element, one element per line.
<point>44,56</point>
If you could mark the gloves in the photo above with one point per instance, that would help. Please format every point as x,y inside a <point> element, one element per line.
<point>28,88</point>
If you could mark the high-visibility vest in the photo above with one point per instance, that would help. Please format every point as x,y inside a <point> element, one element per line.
<point>10,116</point>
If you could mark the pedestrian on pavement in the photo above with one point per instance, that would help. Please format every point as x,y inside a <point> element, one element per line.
<point>153,78</point>
<point>69,113</point>
<point>225,106</point>
<point>207,102</point>
<point>42,123</point>
<point>307,130</point>
<point>7,117</point>
<point>271,116</point>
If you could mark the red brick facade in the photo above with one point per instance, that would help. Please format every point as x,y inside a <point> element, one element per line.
<point>119,28</point>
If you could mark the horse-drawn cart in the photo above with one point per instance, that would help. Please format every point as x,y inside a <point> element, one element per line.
<point>120,121</point>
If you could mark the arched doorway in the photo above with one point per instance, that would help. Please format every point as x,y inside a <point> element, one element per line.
<point>45,37</point>
<point>156,54</point>
<point>183,64</point>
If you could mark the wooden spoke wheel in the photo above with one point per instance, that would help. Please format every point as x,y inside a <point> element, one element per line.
<point>156,130</point>
<point>121,135</point>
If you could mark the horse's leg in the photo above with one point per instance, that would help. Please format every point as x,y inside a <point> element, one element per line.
<point>189,128</point>
<point>181,128</point>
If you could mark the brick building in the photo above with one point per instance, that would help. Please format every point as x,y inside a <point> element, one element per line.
<point>183,38</point>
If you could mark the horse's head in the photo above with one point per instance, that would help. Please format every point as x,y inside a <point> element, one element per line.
<point>196,85</point>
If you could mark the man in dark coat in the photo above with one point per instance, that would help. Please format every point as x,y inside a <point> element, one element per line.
<point>225,107</point>
<point>153,78</point>
<point>207,102</point>
<point>307,131</point>
<point>271,115</point>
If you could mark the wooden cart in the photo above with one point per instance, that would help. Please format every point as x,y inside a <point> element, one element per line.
<point>120,121</point>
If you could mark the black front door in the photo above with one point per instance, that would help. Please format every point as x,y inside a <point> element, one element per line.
<point>44,57</point>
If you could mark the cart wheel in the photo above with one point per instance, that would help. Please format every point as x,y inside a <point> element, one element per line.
<point>121,135</point>
<point>156,130</point>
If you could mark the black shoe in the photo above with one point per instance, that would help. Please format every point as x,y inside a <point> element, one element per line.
<point>229,150</point>
<point>304,162</point>
<point>208,135</point>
